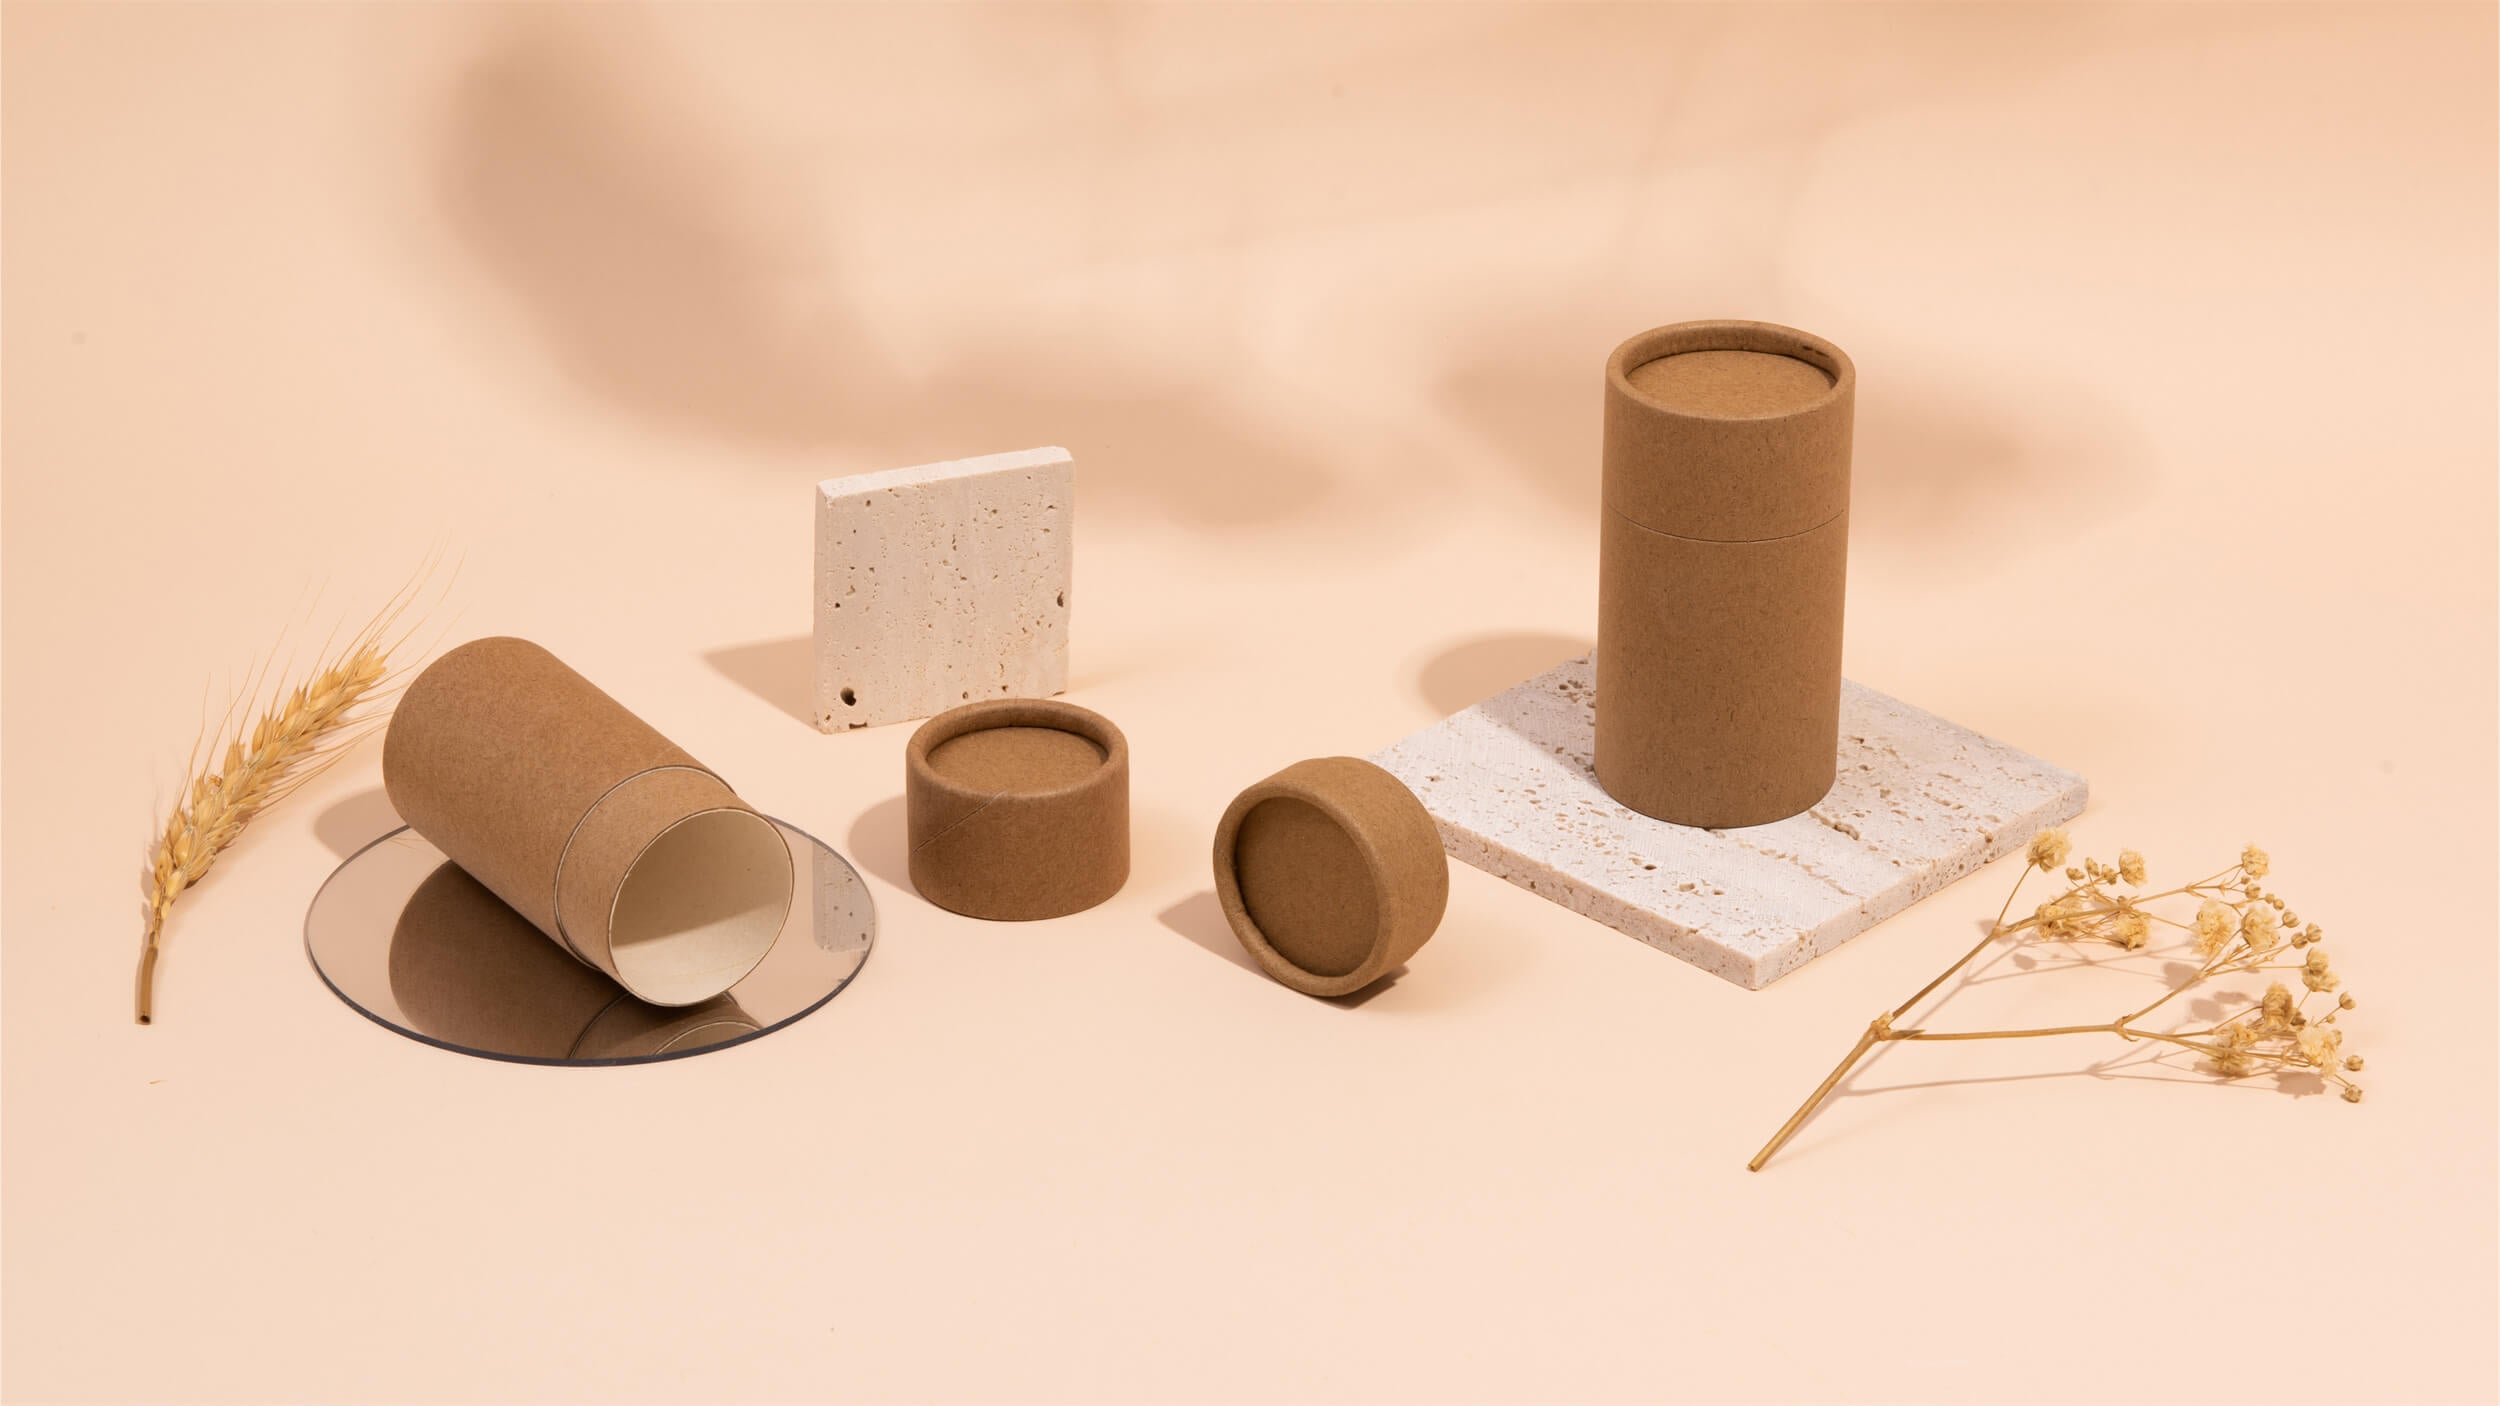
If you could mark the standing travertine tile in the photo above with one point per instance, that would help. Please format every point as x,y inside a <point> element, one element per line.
<point>941,584</point>
<point>1918,803</point>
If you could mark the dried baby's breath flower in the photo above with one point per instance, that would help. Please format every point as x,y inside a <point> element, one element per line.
<point>2271,1034</point>
<point>2130,929</point>
<point>2048,849</point>
<point>2057,917</point>
<point>2216,924</point>
<point>2231,1046</point>
<point>2318,1044</point>
<point>2261,929</point>
<point>2314,973</point>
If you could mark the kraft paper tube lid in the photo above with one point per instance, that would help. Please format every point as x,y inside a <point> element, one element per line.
<point>606,836</point>
<point>1017,809</point>
<point>1331,874</point>
<point>1728,431</point>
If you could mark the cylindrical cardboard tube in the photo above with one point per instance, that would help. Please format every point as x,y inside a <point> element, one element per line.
<point>605,835</point>
<point>469,971</point>
<point>1331,874</point>
<point>1721,571</point>
<point>1017,809</point>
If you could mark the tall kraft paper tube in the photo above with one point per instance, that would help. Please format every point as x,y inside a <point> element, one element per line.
<point>1721,570</point>
<point>606,836</point>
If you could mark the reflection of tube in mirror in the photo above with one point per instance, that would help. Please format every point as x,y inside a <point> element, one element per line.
<point>469,971</point>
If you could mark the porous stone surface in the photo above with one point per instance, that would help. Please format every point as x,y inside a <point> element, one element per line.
<point>1919,802</point>
<point>942,584</point>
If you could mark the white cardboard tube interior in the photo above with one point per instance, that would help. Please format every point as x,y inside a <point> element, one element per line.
<point>700,907</point>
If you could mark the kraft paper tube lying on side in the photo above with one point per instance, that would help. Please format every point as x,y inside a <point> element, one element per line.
<point>608,837</point>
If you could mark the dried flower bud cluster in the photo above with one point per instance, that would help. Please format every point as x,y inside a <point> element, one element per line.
<point>2237,928</point>
<point>2048,849</point>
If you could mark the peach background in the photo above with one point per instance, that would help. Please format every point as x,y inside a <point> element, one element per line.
<point>2176,464</point>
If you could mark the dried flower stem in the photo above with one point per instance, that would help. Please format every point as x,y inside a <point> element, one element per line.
<point>297,735</point>
<point>2236,929</point>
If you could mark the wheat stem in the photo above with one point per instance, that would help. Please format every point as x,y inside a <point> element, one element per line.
<point>298,733</point>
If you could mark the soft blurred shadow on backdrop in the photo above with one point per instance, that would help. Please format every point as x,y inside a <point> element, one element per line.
<point>1169,235</point>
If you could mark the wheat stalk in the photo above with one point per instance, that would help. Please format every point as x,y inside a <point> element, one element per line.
<point>298,734</point>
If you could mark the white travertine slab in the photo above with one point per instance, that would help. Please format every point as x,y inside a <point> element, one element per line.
<point>942,584</point>
<point>1919,802</point>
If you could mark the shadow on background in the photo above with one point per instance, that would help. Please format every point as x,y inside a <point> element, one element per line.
<point>1472,670</point>
<point>881,842</point>
<point>672,272</point>
<point>1926,467</point>
<point>591,179</point>
<point>1200,918</point>
<point>781,672</point>
<point>1931,469</point>
<point>679,258</point>
<point>352,822</point>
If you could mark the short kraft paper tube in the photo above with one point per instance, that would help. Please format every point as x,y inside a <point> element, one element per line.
<point>1331,874</point>
<point>606,836</point>
<point>1722,566</point>
<point>1017,809</point>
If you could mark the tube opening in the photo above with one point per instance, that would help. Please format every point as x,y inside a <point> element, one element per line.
<point>1307,886</point>
<point>700,907</point>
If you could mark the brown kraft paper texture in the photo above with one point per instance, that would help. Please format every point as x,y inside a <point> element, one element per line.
<point>1723,561</point>
<point>1017,809</point>
<point>606,836</point>
<point>1331,874</point>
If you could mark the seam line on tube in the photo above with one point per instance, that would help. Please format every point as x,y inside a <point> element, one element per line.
<point>557,905</point>
<point>1724,541</point>
<point>967,818</point>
